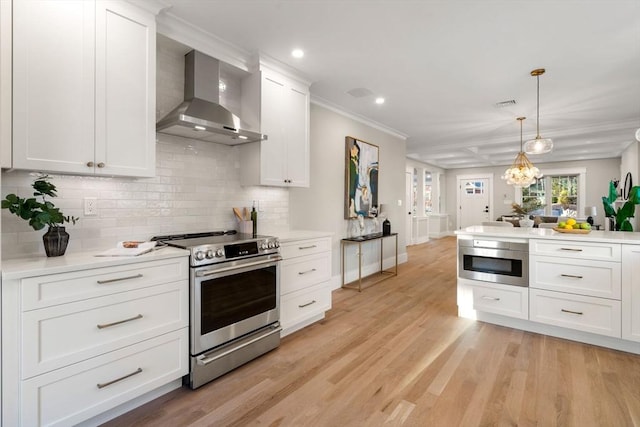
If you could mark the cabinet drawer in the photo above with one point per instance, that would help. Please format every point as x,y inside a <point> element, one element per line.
<point>305,247</point>
<point>298,306</point>
<point>597,315</point>
<point>302,272</point>
<point>61,335</point>
<point>575,249</point>
<point>44,291</point>
<point>512,301</point>
<point>68,396</point>
<point>584,277</point>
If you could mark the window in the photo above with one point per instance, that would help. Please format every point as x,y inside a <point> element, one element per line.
<point>428,192</point>
<point>561,193</point>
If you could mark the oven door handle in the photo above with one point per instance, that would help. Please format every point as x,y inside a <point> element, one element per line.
<point>204,360</point>
<point>237,267</point>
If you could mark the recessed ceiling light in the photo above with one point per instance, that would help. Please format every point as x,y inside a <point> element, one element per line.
<point>198,127</point>
<point>379,100</point>
<point>297,53</point>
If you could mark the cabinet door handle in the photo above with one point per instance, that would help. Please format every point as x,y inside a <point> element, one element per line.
<point>307,247</point>
<point>571,249</point>
<point>90,164</point>
<point>306,272</point>
<point>103,385</point>
<point>119,279</point>
<point>491,298</point>
<point>101,165</point>
<point>573,276</point>
<point>307,304</point>
<point>572,312</point>
<point>119,322</point>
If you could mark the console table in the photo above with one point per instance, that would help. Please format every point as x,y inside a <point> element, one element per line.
<point>384,274</point>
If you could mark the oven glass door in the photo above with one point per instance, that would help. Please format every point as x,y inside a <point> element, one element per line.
<point>231,300</point>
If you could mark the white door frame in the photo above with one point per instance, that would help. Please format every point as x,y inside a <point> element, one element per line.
<point>459,179</point>
<point>408,179</point>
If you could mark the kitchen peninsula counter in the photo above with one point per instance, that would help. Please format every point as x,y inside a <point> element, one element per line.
<point>595,236</point>
<point>578,286</point>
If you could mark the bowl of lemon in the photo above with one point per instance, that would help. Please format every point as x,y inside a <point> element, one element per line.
<point>573,226</point>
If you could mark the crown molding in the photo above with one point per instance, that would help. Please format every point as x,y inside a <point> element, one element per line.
<point>195,37</point>
<point>357,117</point>
<point>153,6</point>
<point>262,60</point>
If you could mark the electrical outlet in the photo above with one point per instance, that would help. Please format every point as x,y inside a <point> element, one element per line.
<point>260,205</point>
<point>90,206</point>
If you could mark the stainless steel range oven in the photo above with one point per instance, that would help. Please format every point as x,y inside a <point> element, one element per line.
<point>234,300</point>
<point>496,261</point>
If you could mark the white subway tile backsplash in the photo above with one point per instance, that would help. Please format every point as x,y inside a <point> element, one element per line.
<point>189,193</point>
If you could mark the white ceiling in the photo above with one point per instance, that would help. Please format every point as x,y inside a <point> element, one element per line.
<point>443,65</point>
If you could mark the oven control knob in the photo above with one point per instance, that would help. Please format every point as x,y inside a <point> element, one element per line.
<point>272,245</point>
<point>199,255</point>
<point>277,244</point>
<point>219,253</point>
<point>210,254</point>
<point>264,246</point>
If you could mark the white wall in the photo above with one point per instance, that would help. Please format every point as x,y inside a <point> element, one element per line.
<point>598,175</point>
<point>321,207</point>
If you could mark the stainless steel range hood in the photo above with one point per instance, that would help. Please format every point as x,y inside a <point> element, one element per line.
<point>201,116</point>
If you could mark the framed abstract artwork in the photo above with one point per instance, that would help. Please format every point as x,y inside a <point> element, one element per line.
<point>361,178</point>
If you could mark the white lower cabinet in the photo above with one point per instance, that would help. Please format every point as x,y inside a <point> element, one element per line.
<point>576,285</point>
<point>78,343</point>
<point>305,287</point>
<point>79,391</point>
<point>507,300</point>
<point>631,292</point>
<point>583,313</point>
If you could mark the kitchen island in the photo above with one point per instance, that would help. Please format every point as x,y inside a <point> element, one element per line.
<point>582,287</point>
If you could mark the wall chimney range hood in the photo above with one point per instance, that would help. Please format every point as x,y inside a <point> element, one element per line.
<point>200,116</point>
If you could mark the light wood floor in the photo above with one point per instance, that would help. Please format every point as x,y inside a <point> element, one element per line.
<point>396,354</point>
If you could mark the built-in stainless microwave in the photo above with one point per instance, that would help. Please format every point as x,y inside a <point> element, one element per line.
<point>494,261</point>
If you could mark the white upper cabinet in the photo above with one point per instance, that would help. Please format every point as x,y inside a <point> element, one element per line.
<point>83,87</point>
<point>5,83</point>
<point>282,110</point>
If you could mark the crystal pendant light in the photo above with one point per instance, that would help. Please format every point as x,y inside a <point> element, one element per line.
<point>539,145</point>
<point>522,173</point>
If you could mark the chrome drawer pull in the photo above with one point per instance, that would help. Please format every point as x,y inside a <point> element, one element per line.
<point>307,247</point>
<point>102,282</point>
<point>306,272</point>
<point>307,304</point>
<point>571,249</point>
<point>491,298</point>
<point>103,385</point>
<point>139,316</point>
<point>572,312</point>
<point>571,276</point>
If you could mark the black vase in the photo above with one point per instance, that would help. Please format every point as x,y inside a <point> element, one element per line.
<point>55,241</point>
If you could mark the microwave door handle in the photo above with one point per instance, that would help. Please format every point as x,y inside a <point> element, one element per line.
<point>236,267</point>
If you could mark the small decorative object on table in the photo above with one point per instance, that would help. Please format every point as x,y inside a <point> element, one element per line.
<point>41,213</point>
<point>526,209</point>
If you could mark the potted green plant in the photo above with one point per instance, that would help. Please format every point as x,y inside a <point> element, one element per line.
<point>620,217</point>
<point>42,212</point>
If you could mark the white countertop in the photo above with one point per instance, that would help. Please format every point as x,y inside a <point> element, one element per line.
<point>37,266</point>
<point>293,235</point>
<point>547,233</point>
